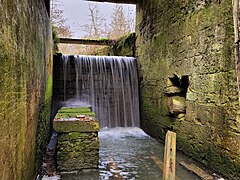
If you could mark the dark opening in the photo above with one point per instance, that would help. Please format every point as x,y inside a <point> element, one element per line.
<point>47,4</point>
<point>175,80</point>
<point>184,84</point>
<point>181,82</point>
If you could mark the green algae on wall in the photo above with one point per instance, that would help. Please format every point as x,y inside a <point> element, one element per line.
<point>25,39</point>
<point>193,39</point>
<point>124,46</point>
<point>56,40</point>
<point>43,127</point>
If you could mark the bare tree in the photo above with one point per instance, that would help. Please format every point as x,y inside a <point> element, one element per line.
<point>58,21</point>
<point>95,27</point>
<point>119,24</point>
<point>130,20</point>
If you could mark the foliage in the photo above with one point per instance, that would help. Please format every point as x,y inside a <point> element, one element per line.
<point>55,40</point>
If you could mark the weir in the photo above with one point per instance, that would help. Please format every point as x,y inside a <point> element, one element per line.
<point>108,84</point>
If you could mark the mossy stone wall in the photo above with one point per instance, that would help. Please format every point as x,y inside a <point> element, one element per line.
<point>25,58</point>
<point>124,46</point>
<point>191,41</point>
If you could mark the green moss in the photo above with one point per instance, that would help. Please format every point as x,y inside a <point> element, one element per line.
<point>44,121</point>
<point>103,39</point>
<point>221,162</point>
<point>69,115</point>
<point>211,156</point>
<point>56,40</point>
<point>49,91</point>
<point>74,110</point>
<point>124,46</point>
<point>77,151</point>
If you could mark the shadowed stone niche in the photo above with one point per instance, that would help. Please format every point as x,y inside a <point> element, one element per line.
<point>78,143</point>
<point>176,91</point>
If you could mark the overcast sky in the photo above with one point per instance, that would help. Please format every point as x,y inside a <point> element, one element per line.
<point>76,12</point>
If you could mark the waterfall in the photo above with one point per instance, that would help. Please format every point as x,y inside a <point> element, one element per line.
<point>109,84</point>
<point>65,59</point>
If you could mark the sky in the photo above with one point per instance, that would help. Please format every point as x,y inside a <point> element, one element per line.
<point>76,13</point>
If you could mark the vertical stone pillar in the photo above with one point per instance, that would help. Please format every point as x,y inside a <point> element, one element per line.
<point>78,143</point>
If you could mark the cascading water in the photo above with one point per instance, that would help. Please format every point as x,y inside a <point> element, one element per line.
<point>109,84</point>
<point>65,60</point>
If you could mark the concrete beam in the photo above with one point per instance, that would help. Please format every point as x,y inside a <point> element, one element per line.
<point>118,1</point>
<point>102,42</point>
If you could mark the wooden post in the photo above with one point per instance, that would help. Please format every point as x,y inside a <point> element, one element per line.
<point>169,169</point>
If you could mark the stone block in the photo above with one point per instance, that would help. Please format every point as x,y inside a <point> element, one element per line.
<point>77,151</point>
<point>173,90</point>
<point>191,96</point>
<point>232,142</point>
<point>78,143</point>
<point>74,124</point>
<point>177,104</point>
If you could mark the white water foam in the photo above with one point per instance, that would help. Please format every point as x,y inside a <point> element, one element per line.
<point>122,132</point>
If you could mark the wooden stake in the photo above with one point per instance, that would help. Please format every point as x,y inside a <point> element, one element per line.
<point>169,169</point>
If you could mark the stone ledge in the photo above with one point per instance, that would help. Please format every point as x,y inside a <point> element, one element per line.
<point>75,125</point>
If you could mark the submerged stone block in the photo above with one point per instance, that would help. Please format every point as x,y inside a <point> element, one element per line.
<point>78,143</point>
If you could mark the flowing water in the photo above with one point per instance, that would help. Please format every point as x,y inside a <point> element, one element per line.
<point>129,153</point>
<point>109,84</point>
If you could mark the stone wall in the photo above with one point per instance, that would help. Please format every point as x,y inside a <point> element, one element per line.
<point>25,74</point>
<point>188,78</point>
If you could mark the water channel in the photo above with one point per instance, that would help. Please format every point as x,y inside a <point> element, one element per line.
<point>129,153</point>
<point>110,86</point>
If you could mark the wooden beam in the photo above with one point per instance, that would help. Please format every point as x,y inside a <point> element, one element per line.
<point>118,1</point>
<point>169,168</point>
<point>159,163</point>
<point>101,42</point>
<point>197,170</point>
